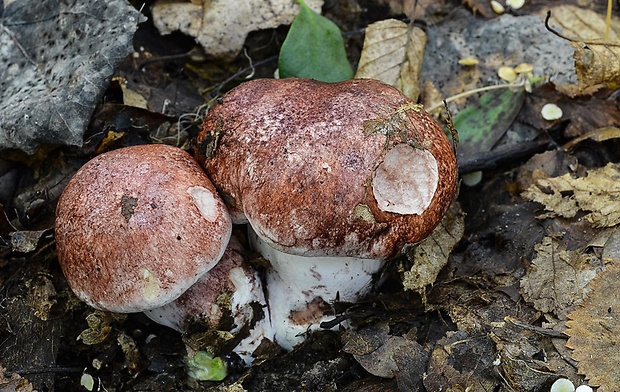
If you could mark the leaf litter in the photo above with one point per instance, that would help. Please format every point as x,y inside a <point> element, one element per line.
<point>472,287</point>
<point>596,194</point>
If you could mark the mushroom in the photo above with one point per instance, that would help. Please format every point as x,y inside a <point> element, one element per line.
<point>228,301</point>
<point>137,226</point>
<point>333,179</point>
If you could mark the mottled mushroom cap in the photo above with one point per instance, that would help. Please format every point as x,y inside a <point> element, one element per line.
<point>345,169</point>
<point>137,226</point>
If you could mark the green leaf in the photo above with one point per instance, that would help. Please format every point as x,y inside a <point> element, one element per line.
<point>480,126</point>
<point>202,366</point>
<point>314,49</point>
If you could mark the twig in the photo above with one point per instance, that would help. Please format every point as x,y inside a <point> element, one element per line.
<point>542,331</point>
<point>577,40</point>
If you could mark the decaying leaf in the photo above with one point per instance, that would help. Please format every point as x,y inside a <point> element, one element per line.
<point>460,362</point>
<point>482,124</point>
<point>523,364</point>
<point>99,327</point>
<point>221,26</point>
<point>25,241</point>
<point>42,296</point>
<point>558,278</point>
<point>596,193</point>
<point>418,9</point>
<point>57,58</point>
<point>393,53</point>
<point>596,61</point>
<point>431,255</point>
<point>594,330</point>
<point>387,356</point>
<point>15,383</point>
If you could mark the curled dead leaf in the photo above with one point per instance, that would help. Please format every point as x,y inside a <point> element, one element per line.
<point>393,53</point>
<point>597,193</point>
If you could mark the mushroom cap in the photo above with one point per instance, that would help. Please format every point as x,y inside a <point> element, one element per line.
<point>137,226</point>
<point>352,168</point>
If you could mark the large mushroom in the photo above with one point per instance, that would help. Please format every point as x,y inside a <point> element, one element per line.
<point>333,180</point>
<point>137,226</point>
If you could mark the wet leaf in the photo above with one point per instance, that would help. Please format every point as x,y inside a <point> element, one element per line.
<point>597,193</point>
<point>314,48</point>
<point>57,57</point>
<point>558,277</point>
<point>393,53</point>
<point>594,330</point>
<point>481,125</point>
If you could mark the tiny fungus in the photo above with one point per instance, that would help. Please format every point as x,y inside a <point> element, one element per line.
<point>137,226</point>
<point>333,179</point>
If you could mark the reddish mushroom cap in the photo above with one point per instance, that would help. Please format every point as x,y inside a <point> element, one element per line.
<point>136,227</point>
<point>345,169</point>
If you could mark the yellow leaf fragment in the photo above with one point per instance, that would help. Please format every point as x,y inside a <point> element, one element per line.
<point>594,330</point>
<point>431,255</point>
<point>393,53</point>
<point>558,277</point>
<point>597,193</point>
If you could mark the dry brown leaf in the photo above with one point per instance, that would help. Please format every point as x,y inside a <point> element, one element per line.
<point>594,330</point>
<point>558,277</point>
<point>431,255</point>
<point>599,135</point>
<point>598,193</point>
<point>393,53</point>
<point>385,355</point>
<point>221,26</point>
<point>596,62</point>
<point>417,9</point>
<point>15,383</point>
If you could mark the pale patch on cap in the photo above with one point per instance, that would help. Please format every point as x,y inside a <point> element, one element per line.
<point>406,181</point>
<point>206,202</point>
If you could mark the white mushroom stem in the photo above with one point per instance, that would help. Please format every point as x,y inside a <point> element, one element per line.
<point>301,289</point>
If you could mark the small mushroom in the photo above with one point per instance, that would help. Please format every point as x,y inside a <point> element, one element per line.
<point>228,300</point>
<point>333,179</point>
<point>137,226</point>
